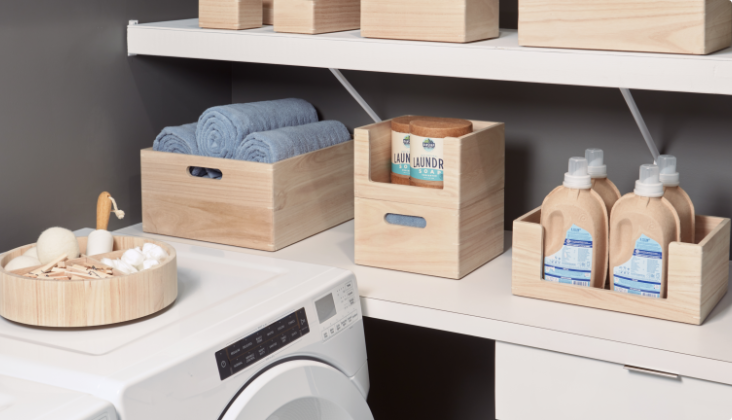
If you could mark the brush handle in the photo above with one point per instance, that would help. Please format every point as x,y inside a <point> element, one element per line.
<point>104,208</point>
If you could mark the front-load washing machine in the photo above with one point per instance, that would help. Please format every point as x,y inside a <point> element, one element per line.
<point>248,338</point>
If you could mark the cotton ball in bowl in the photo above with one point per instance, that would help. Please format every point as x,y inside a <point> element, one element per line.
<point>124,267</point>
<point>154,252</point>
<point>55,242</point>
<point>134,258</point>
<point>22,262</point>
<point>149,264</point>
<point>31,252</point>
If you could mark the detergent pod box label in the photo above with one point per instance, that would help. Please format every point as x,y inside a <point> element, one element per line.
<point>400,153</point>
<point>572,264</point>
<point>427,158</point>
<point>642,273</point>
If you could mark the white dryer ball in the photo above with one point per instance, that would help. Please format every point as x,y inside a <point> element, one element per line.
<point>134,258</point>
<point>55,242</point>
<point>22,262</point>
<point>154,252</point>
<point>99,242</point>
<point>149,264</point>
<point>124,267</point>
<point>32,252</point>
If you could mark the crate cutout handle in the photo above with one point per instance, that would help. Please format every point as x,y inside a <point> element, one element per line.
<point>404,220</point>
<point>199,172</point>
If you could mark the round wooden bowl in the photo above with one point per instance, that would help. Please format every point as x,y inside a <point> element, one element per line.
<point>86,303</point>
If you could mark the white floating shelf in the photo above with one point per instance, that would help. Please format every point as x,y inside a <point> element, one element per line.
<point>497,59</point>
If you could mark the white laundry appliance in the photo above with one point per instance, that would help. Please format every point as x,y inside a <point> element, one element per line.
<point>248,338</point>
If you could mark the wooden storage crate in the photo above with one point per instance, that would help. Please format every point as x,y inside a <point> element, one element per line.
<point>254,205</point>
<point>678,26</point>
<point>316,16</point>
<point>697,274</point>
<point>230,14</point>
<point>464,219</point>
<point>430,20</point>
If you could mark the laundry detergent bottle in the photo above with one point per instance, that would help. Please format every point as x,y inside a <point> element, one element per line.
<point>677,197</point>
<point>575,224</point>
<point>600,183</point>
<point>642,225</point>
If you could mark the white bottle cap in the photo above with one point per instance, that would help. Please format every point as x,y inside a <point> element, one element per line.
<point>667,168</point>
<point>577,176</point>
<point>595,163</point>
<point>648,184</point>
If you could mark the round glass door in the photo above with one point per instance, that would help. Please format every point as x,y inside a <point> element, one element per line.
<point>300,390</point>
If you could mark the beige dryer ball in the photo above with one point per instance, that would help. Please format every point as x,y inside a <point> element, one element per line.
<point>22,262</point>
<point>55,242</point>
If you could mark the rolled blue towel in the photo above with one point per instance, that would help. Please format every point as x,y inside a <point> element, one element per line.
<point>276,145</point>
<point>410,221</point>
<point>222,129</point>
<point>180,139</point>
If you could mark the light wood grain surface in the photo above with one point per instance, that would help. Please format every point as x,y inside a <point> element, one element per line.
<point>253,205</point>
<point>230,14</point>
<point>697,275</point>
<point>669,26</point>
<point>477,161</point>
<point>85,303</point>
<point>430,20</point>
<point>316,16</point>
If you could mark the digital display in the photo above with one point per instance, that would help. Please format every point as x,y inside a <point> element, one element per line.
<point>326,308</point>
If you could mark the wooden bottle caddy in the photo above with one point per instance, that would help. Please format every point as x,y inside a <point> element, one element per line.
<point>698,274</point>
<point>316,16</point>
<point>254,205</point>
<point>88,302</point>
<point>430,20</point>
<point>682,27</point>
<point>464,227</point>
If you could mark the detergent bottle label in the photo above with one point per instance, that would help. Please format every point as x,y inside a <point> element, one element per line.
<point>427,158</point>
<point>572,264</point>
<point>642,273</point>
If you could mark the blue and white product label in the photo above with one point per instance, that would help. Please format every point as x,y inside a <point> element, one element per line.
<point>427,158</point>
<point>400,153</point>
<point>641,274</point>
<point>573,263</point>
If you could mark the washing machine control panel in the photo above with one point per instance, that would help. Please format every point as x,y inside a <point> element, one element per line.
<point>261,344</point>
<point>337,310</point>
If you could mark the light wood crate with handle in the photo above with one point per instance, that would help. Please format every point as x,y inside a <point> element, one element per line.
<point>673,26</point>
<point>316,16</point>
<point>254,205</point>
<point>464,220</point>
<point>698,274</point>
<point>230,14</point>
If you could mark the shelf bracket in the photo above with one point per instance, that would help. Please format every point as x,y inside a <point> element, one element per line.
<point>130,23</point>
<point>346,84</point>
<point>641,123</point>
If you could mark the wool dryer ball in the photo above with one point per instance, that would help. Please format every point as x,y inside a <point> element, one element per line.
<point>55,242</point>
<point>22,262</point>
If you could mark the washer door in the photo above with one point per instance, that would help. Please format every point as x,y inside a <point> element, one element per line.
<point>299,390</point>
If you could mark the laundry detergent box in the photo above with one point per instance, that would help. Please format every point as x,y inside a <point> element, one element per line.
<point>697,274</point>
<point>446,232</point>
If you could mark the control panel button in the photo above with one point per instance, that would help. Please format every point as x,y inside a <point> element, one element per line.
<point>223,364</point>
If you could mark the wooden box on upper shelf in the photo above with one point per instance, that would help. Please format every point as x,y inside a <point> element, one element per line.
<point>254,205</point>
<point>679,26</point>
<point>430,20</point>
<point>464,220</point>
<point>698,274</point>
<point>230,14</point>
<point>316,16</point>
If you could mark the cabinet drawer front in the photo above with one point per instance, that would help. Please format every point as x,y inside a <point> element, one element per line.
<point>541,384</point>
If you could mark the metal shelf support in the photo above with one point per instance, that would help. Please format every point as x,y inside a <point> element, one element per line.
<point>641,123</point>
<point>346,84</point>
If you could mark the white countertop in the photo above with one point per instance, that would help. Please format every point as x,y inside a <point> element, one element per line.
<point>481,304</point>
<point>501,58</point>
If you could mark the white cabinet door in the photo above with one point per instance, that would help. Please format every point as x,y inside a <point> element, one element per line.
<point>534,384</point>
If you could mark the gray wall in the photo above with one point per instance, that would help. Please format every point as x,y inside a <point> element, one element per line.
<point>75,111</point>
<point>545,125</point>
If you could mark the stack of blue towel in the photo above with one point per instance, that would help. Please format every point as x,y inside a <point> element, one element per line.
<point>268,132</point>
